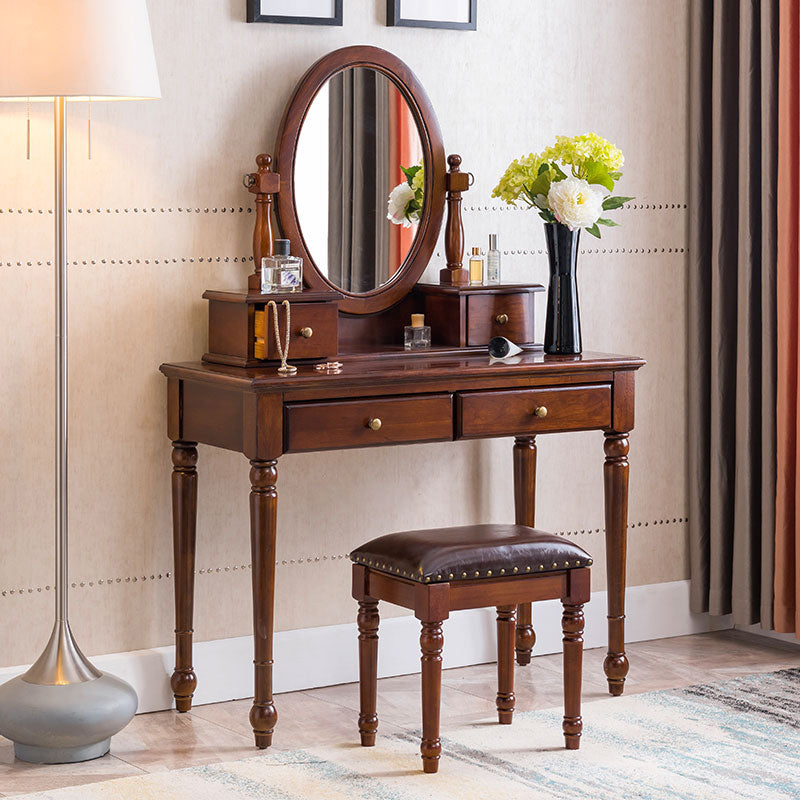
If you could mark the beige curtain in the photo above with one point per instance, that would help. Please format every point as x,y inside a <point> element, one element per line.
<point>732,314</point>
<point>787,531</point>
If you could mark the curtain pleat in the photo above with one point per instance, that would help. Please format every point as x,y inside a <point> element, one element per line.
<point>731,307</point>
<point>787,563</point>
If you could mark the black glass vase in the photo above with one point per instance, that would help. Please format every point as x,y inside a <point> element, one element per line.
<point>562,331</point>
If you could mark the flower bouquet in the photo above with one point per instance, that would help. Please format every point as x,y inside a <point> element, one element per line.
<point>405,200</point>
<point>571,185</point>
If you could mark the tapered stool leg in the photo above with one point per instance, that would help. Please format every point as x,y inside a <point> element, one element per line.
<point>431,640</point>
<point>368,621</point>
<point>572,626</point>
<point>506,623</point>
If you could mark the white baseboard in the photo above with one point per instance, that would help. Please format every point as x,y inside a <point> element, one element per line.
<point>313,657</point>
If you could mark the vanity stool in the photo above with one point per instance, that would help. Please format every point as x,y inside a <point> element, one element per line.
<point>438,571</point>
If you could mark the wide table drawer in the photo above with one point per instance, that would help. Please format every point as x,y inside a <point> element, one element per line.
<point>361,423</point>
<point>520,411</point>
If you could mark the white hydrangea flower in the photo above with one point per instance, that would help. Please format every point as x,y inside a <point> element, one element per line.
<point>400,197</point>
<point>575,202</point>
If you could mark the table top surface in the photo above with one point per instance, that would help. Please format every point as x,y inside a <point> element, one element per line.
<point>389,366</point>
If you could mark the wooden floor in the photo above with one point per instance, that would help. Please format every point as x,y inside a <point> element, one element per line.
<point>221,732</point>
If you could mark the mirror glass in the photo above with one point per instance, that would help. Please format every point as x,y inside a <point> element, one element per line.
<point>358,180</point>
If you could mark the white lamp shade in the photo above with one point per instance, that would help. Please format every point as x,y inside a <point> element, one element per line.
<point>76,48</point>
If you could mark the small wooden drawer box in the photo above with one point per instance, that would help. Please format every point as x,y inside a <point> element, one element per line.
<point>241,327</point>
<point>523,411</point>
<point>470,316</point>
<point>368,422</point>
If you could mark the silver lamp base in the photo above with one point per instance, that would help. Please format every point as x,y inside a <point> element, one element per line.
<point>63,709</point>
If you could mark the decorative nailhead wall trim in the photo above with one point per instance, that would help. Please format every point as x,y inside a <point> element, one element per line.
<point>178,210</point>
<point>626,207</point>
<point>287,562</point>
<point>597,250</point>
<point>90,262</point>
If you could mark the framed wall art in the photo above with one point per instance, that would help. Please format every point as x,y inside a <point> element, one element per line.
<point>454,14</point>
<point>296,12</point>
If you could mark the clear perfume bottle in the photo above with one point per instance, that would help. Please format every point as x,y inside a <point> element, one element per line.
<point>492,260</point>
<point>476,267</point>
<point>281,272</point>
<point>417,334</point>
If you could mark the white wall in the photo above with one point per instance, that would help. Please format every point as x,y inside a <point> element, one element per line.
<point>159,215</point>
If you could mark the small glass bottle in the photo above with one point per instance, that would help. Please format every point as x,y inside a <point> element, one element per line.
<point>476,267</point>
<point>417,334</point>
<point>281,272</point>
<point>493,261</point>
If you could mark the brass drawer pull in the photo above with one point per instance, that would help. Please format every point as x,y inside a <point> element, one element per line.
<point>374,424</point>
<point>540,411</point>
<point>501,319</point>
<point>306,333</point>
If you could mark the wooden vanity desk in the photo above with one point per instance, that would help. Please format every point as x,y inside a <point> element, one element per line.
<point>382,395</point>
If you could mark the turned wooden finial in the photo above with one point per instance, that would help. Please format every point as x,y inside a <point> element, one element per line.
<point>457,181</point>
<point>263,184</point>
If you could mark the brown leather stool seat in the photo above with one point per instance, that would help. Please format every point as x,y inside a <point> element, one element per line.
<point>469,552</point>
<point>441,570</point>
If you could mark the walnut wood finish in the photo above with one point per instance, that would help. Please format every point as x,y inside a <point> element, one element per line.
<point>509,315</point>
<point>525,513</point>
<point>366,423</point>
<point>506,624</point>
<point>431,641</point>
<point>314,332</point>
<point>184,525</point>
<point>243,409</point>
<point>469,316</point>
<point>263,184</point>
<point>457,182</point>
<point>432,604</point>
<point>615,474</point>
<point>432,153</point>
<point>536,411</point>
<point>263,526</point>
<point>368,621</point>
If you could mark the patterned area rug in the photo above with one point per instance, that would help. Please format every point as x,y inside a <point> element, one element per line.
<point>729,741</point>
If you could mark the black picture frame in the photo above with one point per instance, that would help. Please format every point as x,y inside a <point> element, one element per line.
<point>394,18</point>
<point>254,15</point>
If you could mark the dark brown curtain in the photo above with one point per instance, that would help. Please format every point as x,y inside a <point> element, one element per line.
<point>787,530</point>
<point>732,306</point>
<point>358,174</point>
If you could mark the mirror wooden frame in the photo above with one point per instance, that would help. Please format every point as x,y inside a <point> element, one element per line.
<point>430,222</point>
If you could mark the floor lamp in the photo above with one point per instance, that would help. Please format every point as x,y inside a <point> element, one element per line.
<point>63,709</point>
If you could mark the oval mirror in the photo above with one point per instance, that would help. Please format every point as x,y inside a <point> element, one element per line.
<point>362,177</point>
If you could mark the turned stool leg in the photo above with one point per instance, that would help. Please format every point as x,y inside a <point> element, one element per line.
<point>368,621</point>
<point>431,640</point>
<point>572,626</point>
<point>506,624</point>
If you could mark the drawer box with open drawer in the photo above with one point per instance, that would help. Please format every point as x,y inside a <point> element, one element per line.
<point>530,411</point>
<point>367,422</point>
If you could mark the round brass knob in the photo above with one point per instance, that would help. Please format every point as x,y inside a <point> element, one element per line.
<point>306,333</point>
<point>374,424</point>
<point>501,319</point>
<point>540,411</point>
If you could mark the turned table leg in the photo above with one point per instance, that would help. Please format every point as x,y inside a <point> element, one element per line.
<point>368,621</point>
<point>263,524</point>
<point>524,508</point>
<point>184,527</point>
<point>615,473</point>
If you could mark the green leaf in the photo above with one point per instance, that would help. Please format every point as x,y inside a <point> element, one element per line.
<point>609,222</point>
<point>594,230</point>
<point>560,174</point>
<point>540,186</point>
<point>615,175</point>
<point>610,203</point>
<point>598,173</point>
<point>547,216</point>
<point>543,168</point>
<point>410,172</point>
